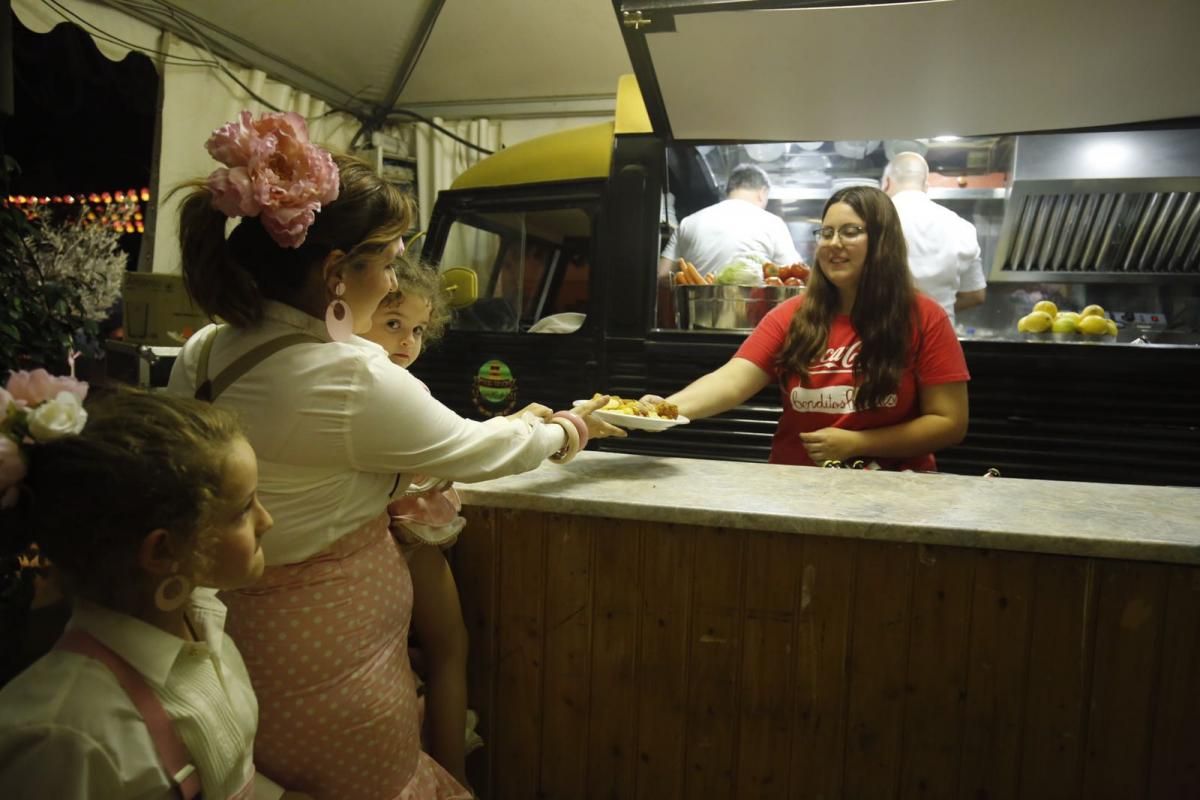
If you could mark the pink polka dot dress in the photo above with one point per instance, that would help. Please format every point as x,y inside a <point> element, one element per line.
<point>325,642</point>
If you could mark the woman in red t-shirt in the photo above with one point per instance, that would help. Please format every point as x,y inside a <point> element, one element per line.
<point>868,368</point>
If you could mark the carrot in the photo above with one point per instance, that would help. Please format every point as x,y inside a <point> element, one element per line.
<point>694,274</point>
<point>709,279</point>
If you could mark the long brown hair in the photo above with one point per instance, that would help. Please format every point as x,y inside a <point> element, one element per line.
<point>230,278</point>
<point>884,308</point>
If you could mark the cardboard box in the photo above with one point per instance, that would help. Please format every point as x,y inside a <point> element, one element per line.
<point>157,309</point>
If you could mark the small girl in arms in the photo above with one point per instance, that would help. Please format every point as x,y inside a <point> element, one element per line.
<point>425,519</point>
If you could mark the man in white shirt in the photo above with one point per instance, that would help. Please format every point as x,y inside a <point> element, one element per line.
<point>943,248</point>
<point>713,237</point>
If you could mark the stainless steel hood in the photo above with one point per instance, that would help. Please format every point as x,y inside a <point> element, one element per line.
<point>1103,207</point>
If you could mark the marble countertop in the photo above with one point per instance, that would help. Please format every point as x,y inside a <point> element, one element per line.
<point>1145,523</point>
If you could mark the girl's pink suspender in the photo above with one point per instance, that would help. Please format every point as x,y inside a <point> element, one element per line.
<point>171,752</point>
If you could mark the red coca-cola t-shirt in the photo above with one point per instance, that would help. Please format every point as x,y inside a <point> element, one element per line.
<point>826,398</point>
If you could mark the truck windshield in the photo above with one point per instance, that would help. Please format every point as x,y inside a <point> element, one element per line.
<point>533,268</point>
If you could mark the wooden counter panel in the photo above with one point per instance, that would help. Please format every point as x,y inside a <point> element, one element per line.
<point>520,636</point>
<point>997,654</point>
<point>714,660</point>
<point>827,587</point>
<point>568,656</point>
<point>624,659</point>
<point>1175,771</point>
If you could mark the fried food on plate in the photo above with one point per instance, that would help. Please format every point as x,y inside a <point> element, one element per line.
<point>618,405</point>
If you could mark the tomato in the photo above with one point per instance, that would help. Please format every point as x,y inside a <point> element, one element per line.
<point>797,270</point>
<point>793,282</point>
<point>770,270</point>
<point>772,281</point>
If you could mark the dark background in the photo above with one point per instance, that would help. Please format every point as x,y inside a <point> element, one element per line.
<point>80,123</point>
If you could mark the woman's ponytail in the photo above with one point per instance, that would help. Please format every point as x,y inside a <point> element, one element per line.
<point>214,279</point>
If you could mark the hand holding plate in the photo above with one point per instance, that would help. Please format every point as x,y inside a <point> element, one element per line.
<point>597,428</point>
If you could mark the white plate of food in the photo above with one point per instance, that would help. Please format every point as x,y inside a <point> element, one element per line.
<point>619,412</point>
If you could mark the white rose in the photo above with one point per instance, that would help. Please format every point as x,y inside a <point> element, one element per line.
<point>62,416</point>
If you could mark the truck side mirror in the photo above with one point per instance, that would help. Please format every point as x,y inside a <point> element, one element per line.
<point>461,286</point>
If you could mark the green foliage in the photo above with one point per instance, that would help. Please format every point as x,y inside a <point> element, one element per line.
<point>41,319</point>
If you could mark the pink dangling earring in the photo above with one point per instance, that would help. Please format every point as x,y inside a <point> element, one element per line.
<point>172,593</point>
<point>339,320</point>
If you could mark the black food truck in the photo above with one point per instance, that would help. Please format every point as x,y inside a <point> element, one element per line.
<point>1077,159</point>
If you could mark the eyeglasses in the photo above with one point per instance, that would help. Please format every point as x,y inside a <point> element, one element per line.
<point>847,233</point>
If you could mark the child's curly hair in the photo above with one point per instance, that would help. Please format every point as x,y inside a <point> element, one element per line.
<point>416,278</point>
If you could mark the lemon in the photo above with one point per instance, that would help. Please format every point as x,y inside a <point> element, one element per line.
<point>1063,324</point>
<point>1071,315</point>
<point>1047,306</point>
<point>1035,322</point>
<point>1092,310</point>
<point>1093,325</point>
<point>1112,327</point>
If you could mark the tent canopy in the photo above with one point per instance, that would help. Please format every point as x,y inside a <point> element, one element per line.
<point>427,55</point>
<point>723,69</point>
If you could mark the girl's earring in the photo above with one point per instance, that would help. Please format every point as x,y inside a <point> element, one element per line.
<point>339,320</point>
<point>172,593</point>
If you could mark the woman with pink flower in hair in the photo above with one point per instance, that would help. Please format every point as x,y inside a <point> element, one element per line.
<point>335,425</point>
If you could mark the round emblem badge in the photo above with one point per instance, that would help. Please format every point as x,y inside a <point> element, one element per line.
<point>495,389</point>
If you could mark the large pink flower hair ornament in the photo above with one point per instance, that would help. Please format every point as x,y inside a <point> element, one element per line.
<point>35,407</point>
<point>273,172</point>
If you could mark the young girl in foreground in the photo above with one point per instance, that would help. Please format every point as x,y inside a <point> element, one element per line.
<point>145,512</point>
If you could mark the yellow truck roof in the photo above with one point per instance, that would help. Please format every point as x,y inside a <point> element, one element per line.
<point>576,154</point>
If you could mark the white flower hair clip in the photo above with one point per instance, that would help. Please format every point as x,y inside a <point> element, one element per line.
<point>35,407</point>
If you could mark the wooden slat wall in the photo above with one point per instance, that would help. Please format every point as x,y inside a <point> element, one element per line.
<point>568,656</point>
<point>997,654</point>
<point>611,767</point>
<point>828,580</point>
<point>615,659</point>
<point>521,634</point>
<point>714,657</point>
<point>1175,771</point>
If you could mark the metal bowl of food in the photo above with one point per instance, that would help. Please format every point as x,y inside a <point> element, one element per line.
<point>727,308</point>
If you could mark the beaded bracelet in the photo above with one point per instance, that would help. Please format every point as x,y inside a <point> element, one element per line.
<point>571,448</point>
<point>578,422</point>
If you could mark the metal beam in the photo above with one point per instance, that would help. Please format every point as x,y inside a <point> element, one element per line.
<point>516,108</point>
<point>411,57</point>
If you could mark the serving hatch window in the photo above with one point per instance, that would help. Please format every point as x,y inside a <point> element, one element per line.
<point>533,268</point>
<point>963,169</point>
<point>968,175</point>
